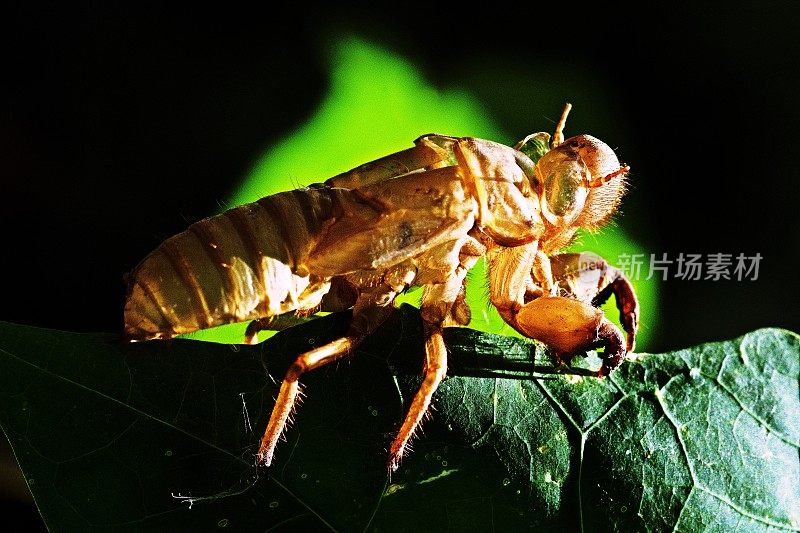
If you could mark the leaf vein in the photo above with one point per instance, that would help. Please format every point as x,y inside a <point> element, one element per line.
<point>746,513</point>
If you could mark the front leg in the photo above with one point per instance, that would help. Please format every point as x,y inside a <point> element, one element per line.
<point>522,286</point>
<point>510,281</point>
<point>569,326</point>
<point>589,278</point>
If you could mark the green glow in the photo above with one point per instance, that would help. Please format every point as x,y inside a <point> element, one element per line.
<point>378,103</point>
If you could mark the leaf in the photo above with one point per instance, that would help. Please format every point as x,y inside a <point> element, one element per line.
<point>106,432</point>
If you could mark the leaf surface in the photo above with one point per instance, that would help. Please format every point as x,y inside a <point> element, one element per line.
<point>109,434</point>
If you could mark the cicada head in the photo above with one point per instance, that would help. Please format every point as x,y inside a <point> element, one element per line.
<point>580,184</point>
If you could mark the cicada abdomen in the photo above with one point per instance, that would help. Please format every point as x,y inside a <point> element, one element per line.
<point>247,263</point>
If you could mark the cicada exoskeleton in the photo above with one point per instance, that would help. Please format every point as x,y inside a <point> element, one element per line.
<point>420,217</point>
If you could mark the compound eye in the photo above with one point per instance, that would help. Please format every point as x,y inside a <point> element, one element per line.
<point>563,178</point>
<point>565,190</point>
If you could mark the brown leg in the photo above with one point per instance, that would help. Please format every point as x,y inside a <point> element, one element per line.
<point>291,386</point>
<point>627,303</point>
<point>273,323</point>
<point>569,326</point>
<point>254,327</point>
<point>610,338</point>
<point>590,278</point>
<point>435,370</point>
<point>366,318</point>
<point>437,308</point>
<point>510,277</point>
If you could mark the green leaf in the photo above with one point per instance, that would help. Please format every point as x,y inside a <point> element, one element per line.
<point>106,433</point>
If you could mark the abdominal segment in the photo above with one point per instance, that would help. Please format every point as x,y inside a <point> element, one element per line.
<point>247,263</point>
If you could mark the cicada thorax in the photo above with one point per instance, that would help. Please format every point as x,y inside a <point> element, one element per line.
<point>497,177</point>
<point>247,263</point>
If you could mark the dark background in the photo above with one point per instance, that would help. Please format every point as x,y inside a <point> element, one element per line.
<point>119,128</point>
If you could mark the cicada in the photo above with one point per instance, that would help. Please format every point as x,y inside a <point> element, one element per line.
<point>419,217</point>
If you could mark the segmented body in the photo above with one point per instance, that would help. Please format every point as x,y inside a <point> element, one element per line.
<point>240,265</point>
